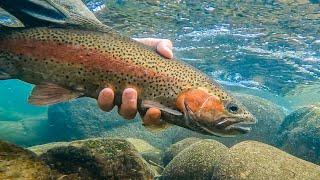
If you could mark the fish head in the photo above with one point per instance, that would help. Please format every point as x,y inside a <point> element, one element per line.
<point>209,114</point>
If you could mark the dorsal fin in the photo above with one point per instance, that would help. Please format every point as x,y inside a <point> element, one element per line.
<point>64,13</point>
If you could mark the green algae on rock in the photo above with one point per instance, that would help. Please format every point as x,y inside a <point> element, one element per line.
<point>40,149</point>
<point>255,160</point>
<point>99,159</point>
<point>19,163</point>
<point>141,145</point>
<point>196,161</point>
<point>151,154</point>
<point>300,133</point>
<point>176,148</point>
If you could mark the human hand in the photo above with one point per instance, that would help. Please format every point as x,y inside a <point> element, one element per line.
<point>128,108</point>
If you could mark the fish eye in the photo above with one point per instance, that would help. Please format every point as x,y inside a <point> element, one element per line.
<point>233,108</point>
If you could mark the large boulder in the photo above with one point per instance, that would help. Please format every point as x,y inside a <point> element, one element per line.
<point>41,149</point>
<point>80,119</point>
<point>27,132</point>
<point>255,160</point>
<point>160,140</point>
<point>19,163</point>
<point>141,145</point>
<point>151,154</point>
<point>99,159</point>
<point>300,133</point>
<point>196,161</point>
<point>177,147</point>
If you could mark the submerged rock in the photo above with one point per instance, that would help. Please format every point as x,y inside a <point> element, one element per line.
<point>141,145</point>
<point>27,132</point>
<point>176,148</point>
<point>300,133</point>
<point>99,159</point>
<point>81,118</point>
<point>19,163</point>
<point>196,161</point>
<point>151,154</point>
<point>255,160</point>
<point>40,149</point>
<point>136,130</point>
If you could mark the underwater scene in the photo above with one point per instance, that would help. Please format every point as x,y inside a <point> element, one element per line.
<point>223,89</point>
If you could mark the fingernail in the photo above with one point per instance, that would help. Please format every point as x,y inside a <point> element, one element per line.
<point>105,99</point>
<point>129,94</point>
<point>168,52</point>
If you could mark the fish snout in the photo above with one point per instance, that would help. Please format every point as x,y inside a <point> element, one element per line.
<point>237,125</point>
<point>250,119</point>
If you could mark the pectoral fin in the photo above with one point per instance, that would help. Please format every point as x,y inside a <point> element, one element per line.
<point>156,124</point>
<point>188,113</point>
<point>48,93</point>
<point>152,104</point>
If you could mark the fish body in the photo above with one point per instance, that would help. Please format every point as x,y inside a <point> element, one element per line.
<point>90,61</point>
<point>66,63</point>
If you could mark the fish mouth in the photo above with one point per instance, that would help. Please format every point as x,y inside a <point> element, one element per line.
<point>226,127</point>
<point>241,127</point>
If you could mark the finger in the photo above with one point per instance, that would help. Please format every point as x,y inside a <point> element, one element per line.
<point>105,99</point>
<point>163,46</point>
<point>153,42</point>
<point>128,108</point>
<point>152,117</point>
<point>165,49</point>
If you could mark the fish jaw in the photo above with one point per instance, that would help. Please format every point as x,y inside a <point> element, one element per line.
<point>206,113</point>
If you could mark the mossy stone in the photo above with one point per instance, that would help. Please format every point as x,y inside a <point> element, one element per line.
<point>20,163</point>
<point>300,133</point>
<point>99,159</point>
<point>256,160</point>
<point>176,148</point>
<point>196,161</point>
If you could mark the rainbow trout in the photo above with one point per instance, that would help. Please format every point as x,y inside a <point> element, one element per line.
<point>77,56</point>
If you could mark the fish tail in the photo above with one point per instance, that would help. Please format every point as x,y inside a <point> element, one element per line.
<point>44,13</point>
<point>33,13</point>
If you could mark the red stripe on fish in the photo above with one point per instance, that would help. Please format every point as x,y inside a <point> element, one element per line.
<point>89,58</point>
